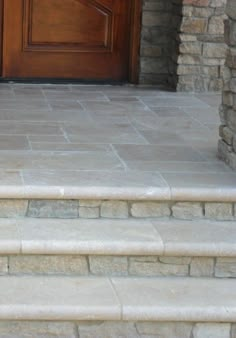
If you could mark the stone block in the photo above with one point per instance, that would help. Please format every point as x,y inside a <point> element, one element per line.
<point>187,210</point>
<point>87,212</point>
<point>108,265</point>
<point>90,203</point>
<point>164,329</point>
<point>214,50</point>
<point>150,209</point>
<point>207,330</point>
<point>33,329</point>
<point>53,209</point>
<point>225,267</point>
<point>3,265</point>
<point>147,268</point>
<point>219,211</point>
<point>202,267</point>
<point>114,209</point>
<point>107,330</point>
<point>13,208</point>
<point>45,264</point>
<point>193,25</point>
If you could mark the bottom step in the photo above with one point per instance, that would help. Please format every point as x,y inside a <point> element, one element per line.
<point>129,299</point>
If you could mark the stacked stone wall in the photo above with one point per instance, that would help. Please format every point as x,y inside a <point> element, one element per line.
<point>227,144</point>
<point>182,44</point>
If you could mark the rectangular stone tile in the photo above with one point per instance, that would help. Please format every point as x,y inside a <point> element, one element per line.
<point>65,105</point>
<point>179,167</point>
<point>23,104</point>
<point>212,99</point>
<point>156,152</point>
<point>125,134</point>
<point>54,95</point>
<point>47,139</point>
<point>76,298</point>
<point>53,208</point>
<point>184,101</point>
<point>204,115</point>
<point>162,137</point>
<point>93,237</point>
<point>27,128</point>
<point>197,238</point>
<point>13,142</point>
<point>10,178</point>
<point>28,93</point>
<point>101,160</point>
<point>52,146</point>
<point>177,299</point>
<point>98,106</point>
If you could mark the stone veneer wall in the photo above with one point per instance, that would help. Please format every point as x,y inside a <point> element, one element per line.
<point>182,44</point>
<point>227,144</point>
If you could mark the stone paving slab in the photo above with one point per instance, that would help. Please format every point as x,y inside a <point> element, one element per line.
<point>59,141</point>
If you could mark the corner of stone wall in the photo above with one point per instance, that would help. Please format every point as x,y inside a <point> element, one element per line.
<point>201,59</point>
<point>155,42</point>
<point>227,142</point>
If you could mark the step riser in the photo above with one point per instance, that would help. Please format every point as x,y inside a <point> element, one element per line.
<point>71,209</point>
<point>111,329</point>
<point>139,266</point>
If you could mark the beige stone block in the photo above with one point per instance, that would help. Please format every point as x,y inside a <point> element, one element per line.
<point>3,265</point>
<point>164,329</point>
<point>150,209</point>
<point>225,267</point>
<point>187,210</point>
<point>138,268</point>
<point>53,209</point>
<point>213,330</point>
<point>90,203</point>
<point>13,208</point>
<point>37,329</point>
<point>107,330</point>
<point>175,260</point>
<point>43,264</point>
<point>87,212</point>
<point>114,209</point>
<point>108,265</point>
<point>202,267</point>
<point>219,211</point>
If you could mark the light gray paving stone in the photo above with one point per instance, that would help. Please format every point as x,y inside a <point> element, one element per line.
<point>225,267</point>
<point>219,211</point>
<point>114,209</point>
<point>187,210</point>
<point>80,236</point>
<point>108,265</point>
<point>13,207</point>
<point>177,299</point>
<point>197,238</point>
<point>150,209</point>
<point>10,238</point>
<point>57,298</point>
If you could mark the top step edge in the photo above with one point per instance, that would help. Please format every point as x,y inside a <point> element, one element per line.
<point>213,194</point>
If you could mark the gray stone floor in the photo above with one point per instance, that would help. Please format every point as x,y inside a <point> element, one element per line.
<point>86,135</point>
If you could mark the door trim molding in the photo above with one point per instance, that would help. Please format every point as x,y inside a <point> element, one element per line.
<point>134,46</point>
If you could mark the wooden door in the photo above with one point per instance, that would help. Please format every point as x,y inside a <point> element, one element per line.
<point>83,39</point>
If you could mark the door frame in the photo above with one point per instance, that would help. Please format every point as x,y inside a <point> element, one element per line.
<point>135,34</point>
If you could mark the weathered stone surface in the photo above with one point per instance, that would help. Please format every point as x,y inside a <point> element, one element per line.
<point>107,330</point>
<point>114,209</point>
<point>87,212</point>
<point>187,210</point>
<point>43,264</point>
<point>3,265</point>
<point>108,265</point>
<point>211,330</point>
<point>164,329</point>
<point>219,211</point>
<point>53,209</point>
<point>202,267</point>
<point>225,267</point>
<point>90,203</point>
<point>13,208</point>
<point>33,329</point>
<point>142,268</point>
<point>150,209</point>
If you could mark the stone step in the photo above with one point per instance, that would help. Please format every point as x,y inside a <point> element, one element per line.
<point>142,247</point>
<point>128,299</point>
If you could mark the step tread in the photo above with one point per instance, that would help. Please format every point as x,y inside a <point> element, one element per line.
<point>86,298</point>
<point>117,237</point>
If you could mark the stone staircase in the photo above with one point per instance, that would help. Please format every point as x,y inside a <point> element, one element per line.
<point>134,265</point>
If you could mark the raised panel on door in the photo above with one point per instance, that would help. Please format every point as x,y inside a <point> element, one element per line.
<point>86,39</point>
